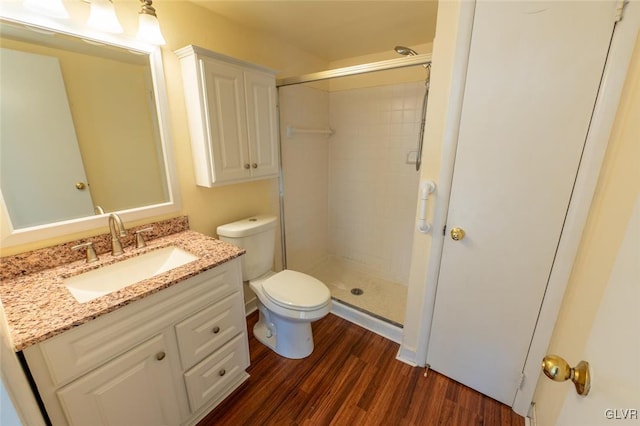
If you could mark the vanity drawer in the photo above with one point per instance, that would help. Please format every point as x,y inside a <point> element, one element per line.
<point>217,372</point>
<point>206,331</point>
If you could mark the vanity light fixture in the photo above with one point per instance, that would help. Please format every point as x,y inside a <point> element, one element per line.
<point>148,25</point>
<point>52,8</point>
<point>103,17</point>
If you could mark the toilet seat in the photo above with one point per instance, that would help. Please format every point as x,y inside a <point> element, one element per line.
<point>295,290</point>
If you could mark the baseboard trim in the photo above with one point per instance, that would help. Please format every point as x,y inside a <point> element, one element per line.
<point>250,306</point>
<point>407,356</point>
<point>382,328</point>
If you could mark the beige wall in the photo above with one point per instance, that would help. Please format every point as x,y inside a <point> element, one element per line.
<point>185,23</point>
<point>614,201</point>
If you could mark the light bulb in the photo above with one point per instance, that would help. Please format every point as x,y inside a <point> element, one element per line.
<point>148,25</point>
<point>103,17</point>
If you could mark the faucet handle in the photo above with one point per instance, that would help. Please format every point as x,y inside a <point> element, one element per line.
<point>140,239</point>
<point>91,252</point>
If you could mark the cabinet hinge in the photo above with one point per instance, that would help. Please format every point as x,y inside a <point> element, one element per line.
<point>520,381</point>
<point>620,4</point>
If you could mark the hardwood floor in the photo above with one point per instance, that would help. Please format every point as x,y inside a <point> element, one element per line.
<point>351,378</point>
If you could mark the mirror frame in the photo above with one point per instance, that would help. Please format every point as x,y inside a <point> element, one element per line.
<point>14,13</point>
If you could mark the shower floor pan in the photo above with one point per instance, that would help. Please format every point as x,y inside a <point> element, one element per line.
<point>383,299</point>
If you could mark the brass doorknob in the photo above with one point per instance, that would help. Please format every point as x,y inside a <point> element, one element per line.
<point>80,185</point>
<point>457,234</point>
<point>559,370</point>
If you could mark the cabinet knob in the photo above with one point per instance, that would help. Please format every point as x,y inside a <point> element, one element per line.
<point>160,356</point>
<point>246,166</point>
<point>254,165</point>
<point>216,330</point>
<point>222,372</point>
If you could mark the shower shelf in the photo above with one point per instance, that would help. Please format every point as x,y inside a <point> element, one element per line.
<point>293,130</point>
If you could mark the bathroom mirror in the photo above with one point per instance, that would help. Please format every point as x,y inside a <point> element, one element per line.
<point>82,132</point>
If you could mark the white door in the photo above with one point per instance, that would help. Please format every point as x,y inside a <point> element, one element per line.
<point>227,120</point>
<point>613,346</point>
<point>40,158</point>
<point>533,74</point>
<point>600,319</point>
<point>262,123</point>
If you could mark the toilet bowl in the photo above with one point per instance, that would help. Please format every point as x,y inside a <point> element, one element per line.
<point>288,301</point>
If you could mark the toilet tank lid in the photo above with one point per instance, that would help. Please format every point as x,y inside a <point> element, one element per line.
<point>245,227</point>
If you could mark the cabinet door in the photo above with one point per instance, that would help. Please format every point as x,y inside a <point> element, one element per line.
<point>226,116</point>
<point>262,123</point>
<point>134,389</point>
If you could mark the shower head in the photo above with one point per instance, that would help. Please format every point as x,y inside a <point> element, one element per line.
<point>407,51</point>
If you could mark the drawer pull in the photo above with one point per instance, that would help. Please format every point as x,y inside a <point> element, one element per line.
<point>160,356</point>
<point>222,372</point>
<point>216,330</point>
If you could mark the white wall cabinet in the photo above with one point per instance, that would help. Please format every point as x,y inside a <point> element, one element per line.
<point>232,113</point>
<point>167,359</point>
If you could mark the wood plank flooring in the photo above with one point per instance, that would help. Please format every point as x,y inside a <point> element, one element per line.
<point>351,378</point>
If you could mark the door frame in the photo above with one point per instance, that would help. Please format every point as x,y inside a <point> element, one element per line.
<point>596,143</point>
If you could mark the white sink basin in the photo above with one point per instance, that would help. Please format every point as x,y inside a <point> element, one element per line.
<point>101,281</point>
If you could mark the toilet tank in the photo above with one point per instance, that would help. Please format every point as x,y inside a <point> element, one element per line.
<point>257,235</point>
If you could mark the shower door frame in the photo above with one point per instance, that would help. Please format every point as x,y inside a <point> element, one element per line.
<point>390,64</point>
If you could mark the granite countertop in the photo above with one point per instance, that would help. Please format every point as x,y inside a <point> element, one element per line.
<point>38,306</point>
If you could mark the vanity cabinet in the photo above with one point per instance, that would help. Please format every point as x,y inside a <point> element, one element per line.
<point>232,113</point>
<point>167,359</point>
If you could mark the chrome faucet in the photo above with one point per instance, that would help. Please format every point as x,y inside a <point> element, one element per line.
<point>117,230</point>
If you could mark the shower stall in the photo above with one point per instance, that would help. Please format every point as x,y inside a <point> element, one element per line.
<point>349,147</point>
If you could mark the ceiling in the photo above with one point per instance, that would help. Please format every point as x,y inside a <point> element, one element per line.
<point>335,30</point>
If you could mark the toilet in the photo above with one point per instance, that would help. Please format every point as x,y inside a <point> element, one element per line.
<point>288,301</point>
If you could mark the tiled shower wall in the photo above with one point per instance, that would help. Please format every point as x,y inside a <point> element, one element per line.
<point>305,168</point>
<point>372,188</point>
<point>353,195</point>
